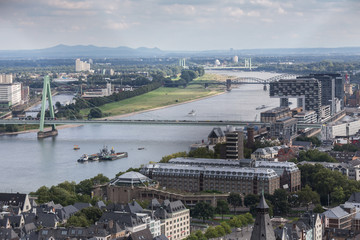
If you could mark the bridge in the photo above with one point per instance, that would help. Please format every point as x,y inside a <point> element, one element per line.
<point>50,121</point>
<point>254,80</point>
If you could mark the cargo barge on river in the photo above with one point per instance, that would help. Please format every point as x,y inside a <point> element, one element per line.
<point>103,155</point>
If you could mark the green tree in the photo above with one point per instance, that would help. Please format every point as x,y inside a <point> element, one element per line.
<point>280,201</point>
<point>251,199</point>
<point>77,221</point>
<point>226,227</point>
<point>211,233</point>
<point>338,195</point>
<point>220,231</point>
<point>307,196</point>
<point>235,200</point>
<point>318,209</point>
<point>203,210</point>
<point>222,207</point>
<point>95,113</point>
<point>201,153</point>
<point>166,159</point>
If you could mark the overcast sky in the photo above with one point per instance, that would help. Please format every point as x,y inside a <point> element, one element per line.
<point>180,24</point>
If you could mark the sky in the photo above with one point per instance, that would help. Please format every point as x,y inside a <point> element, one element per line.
<point>180,24</point>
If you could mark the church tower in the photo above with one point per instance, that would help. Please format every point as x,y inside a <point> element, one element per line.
<point>263,229</point>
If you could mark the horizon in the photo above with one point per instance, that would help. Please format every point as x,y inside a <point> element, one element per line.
<point>180,25</point>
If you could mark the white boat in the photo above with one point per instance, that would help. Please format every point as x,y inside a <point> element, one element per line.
<point>83,158</point>
<point>192,113</point>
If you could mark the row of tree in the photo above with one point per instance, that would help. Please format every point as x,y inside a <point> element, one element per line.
<point>67,193</point>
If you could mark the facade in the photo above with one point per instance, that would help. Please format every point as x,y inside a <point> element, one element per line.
<point>289,173</point>
<point>175,219</point>
<point>284,128</point>
<point>267,153</point>
<point>340,129</point>
<point>234,144</point>
<point>275,114</point>
<point>306,90</point>
<point>6,78</point>
<point>191,178</point>
<point>216,136</point>
<point>325,112</point>
<point>81,66</point>
<point>16,200</point>
<point>306,117</point>
<point>10,93</point>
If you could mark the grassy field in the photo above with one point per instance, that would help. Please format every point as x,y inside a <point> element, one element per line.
<point>157,98</point>
<point>213,77</point>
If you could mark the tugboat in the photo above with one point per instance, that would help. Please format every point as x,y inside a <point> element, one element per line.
<point>83,158</point>
<point>76,147</point>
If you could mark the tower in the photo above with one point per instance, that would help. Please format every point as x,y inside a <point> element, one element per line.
<point>263,229</point>
<point>46,94</point>
<point>234,144</point>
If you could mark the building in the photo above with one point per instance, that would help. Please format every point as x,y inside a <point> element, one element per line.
<point>235,59</point>
<point>15,200</point>
<point>193,178</point>
<point>6,78</point>
<point>175,219</point>
<point>81,66</point>
<point>306,117</point>
<point>103,92</point>
<point>325,112</point>
<point>275,114</point>
<point>182,62</point>
<point>263,229</point>
<point>306,90</point>
<point>10,94</point>
<point>346,127</point>
<point>234,144</point>
<point>289,173</point>
<point>216,136</point>
<point>267,153</point>
<point>284,128</point>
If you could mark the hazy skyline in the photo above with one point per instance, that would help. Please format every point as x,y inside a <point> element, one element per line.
<point>180,24</point>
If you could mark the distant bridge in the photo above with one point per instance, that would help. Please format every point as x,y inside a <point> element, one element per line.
<point>150,122</point>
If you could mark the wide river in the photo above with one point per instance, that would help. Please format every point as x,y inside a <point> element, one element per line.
<point>28,163</point>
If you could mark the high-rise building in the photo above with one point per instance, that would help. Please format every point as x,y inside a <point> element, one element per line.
<point>306,90</point>
<point>182,62</point>
<point>81,66</point>
<point>6,78</point>
<point>332,88</point>
<point>10,94</point>
<point>235,59</point>
<point>234,144</point>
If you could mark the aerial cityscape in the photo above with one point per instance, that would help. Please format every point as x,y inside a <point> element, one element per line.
<point>156,120</point>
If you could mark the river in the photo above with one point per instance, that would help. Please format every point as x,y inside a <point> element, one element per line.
<point>28,163</point>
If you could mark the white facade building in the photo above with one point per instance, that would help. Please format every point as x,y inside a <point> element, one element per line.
<point>81,66</point>
<point>306,117</point>
<point>6,78</point>
<point>10,93</point>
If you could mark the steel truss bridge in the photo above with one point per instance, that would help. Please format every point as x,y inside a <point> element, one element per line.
<point>254,80</point>
<point>144,122</point>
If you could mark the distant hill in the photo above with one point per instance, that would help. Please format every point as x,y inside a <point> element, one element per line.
<point>91,51</point>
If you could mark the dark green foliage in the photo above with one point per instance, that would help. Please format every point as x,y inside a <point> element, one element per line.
<point>307,196</point>
<point>251,199</point>
<point>166,159</point>
<point>314,155</point>
<point>345,148</point>
<point>314,140</point>
<point>84,218</point>
<point>318,209</point>
<point>203,210</point>
<point>280,203</point>
<point>222,208</point>
<point>201,153</point>
<point>328,184</point>
<point>235,200</point>
<point>68,193</point>
<point>95,113</point>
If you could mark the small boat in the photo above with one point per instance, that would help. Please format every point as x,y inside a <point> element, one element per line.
<point>192,113</point>
<point>83,158</point>
<point>261,107</point>
<point>76,147</point>
<point>141,148</point>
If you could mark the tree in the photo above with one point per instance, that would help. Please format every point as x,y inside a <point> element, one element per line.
<point>307,196</point>
<point>222,207</point>
<point>211,233</point>
<point>318,209</point>
<point>251,199</point>
<point>203,210</point>
<point>226,227</point>
<point>220,231</point>
<point>235,200</point>
<point>201,153</point>
<point>338,195</point>
<point>95,113</point>
<point>280,201</point>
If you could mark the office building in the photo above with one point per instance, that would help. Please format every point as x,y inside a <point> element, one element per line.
<point>234,143</point>
<point>274,114</point>
<point>284,129</point>
<point>6,78</point>
<point>10,94</point>
<point>81,66</point>
<point>306,117</point>
<point>306,90</point>
<point>332,88</point>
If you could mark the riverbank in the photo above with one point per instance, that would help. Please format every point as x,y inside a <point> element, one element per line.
<point>37,129</point>
<point>158,98</point>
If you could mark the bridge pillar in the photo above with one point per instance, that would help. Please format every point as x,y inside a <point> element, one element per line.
<point>46,94</point>
<point>228,85</point>
<point>265,87</point>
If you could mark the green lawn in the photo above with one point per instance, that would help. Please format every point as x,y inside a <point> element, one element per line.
<point>213,77</point>
<point>157,98</point>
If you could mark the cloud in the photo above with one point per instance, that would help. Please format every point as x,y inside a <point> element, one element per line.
<point>70,5</point>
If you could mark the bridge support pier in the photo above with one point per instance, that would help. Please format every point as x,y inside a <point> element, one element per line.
<point>265,87</point>
<point>46,94</point>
